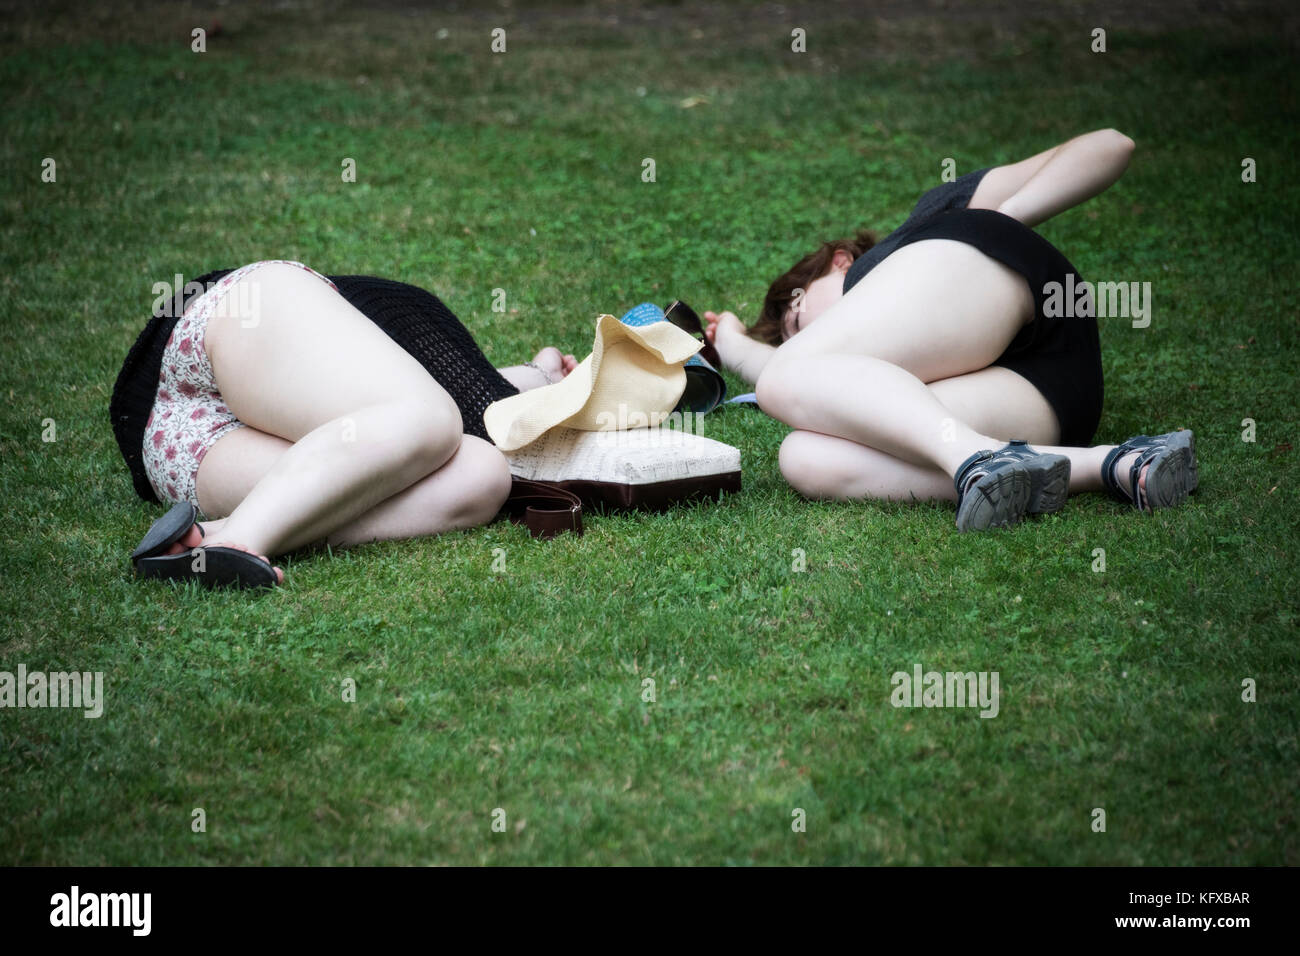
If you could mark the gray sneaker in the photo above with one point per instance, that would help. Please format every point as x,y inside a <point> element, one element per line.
<point>1170,460</point>
<point>996,489</point>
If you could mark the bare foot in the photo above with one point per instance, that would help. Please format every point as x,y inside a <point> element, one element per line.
<point>1124,467</point>
<point>554,363</point>
<point>191,539</point>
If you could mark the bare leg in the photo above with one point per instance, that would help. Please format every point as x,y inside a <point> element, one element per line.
<point>364,419</point>
<point>994,401</point>
<point>465,492</point>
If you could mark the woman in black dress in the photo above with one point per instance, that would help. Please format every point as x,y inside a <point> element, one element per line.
<point>293,408</point>
<point>906,366</point>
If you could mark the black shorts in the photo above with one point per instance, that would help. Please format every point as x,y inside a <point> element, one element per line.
<point>1059,355</point>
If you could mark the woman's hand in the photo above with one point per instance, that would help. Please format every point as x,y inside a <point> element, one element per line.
<point>743,355</point>
<point>721,328</point>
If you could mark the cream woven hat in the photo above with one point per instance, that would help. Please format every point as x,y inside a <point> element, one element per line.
<point>631,371</point>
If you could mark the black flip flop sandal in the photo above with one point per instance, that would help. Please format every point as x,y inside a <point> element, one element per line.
<point>1170,460</point>
<point>213,567</point>
<point>166,531</point>
<point>997,489</point>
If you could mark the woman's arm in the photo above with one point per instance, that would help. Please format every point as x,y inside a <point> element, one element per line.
<point>745,356</point>
<point>547,367</point>
<point>1036,189</point>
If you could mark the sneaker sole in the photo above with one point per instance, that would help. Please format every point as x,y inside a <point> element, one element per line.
<point>1050,487</point>
<point>1169,480</point>
<point>1187,442</point>
<point>997,501</point>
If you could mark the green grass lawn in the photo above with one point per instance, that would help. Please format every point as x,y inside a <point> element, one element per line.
<point>523,690</point>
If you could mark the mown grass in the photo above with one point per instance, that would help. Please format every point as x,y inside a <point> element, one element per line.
<point>523,690</point>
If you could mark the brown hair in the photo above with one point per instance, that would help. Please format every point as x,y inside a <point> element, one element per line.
<point>769,328</point>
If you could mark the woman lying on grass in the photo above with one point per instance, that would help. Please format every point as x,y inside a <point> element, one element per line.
<point>296,409</point>
<point>898,363</point>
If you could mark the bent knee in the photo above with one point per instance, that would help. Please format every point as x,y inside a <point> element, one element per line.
<point>429,432</point>
<point>803,467</point>
<point>489,476</point>
<point>832,469</point>
<point>777,388</point>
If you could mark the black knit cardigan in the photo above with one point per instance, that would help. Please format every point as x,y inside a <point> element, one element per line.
<point>415,319</point>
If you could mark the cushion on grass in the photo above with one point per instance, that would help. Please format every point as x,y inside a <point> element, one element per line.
<point>641,468</point>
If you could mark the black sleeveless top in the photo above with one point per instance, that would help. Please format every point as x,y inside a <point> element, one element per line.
<point>953,195</point>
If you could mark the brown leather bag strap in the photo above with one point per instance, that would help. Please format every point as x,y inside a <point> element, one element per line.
<point>546,509</point>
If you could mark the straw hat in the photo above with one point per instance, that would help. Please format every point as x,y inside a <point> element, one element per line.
<point>631,372</point>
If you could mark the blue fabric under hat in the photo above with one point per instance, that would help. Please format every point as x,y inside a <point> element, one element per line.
<point>705,388</point>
